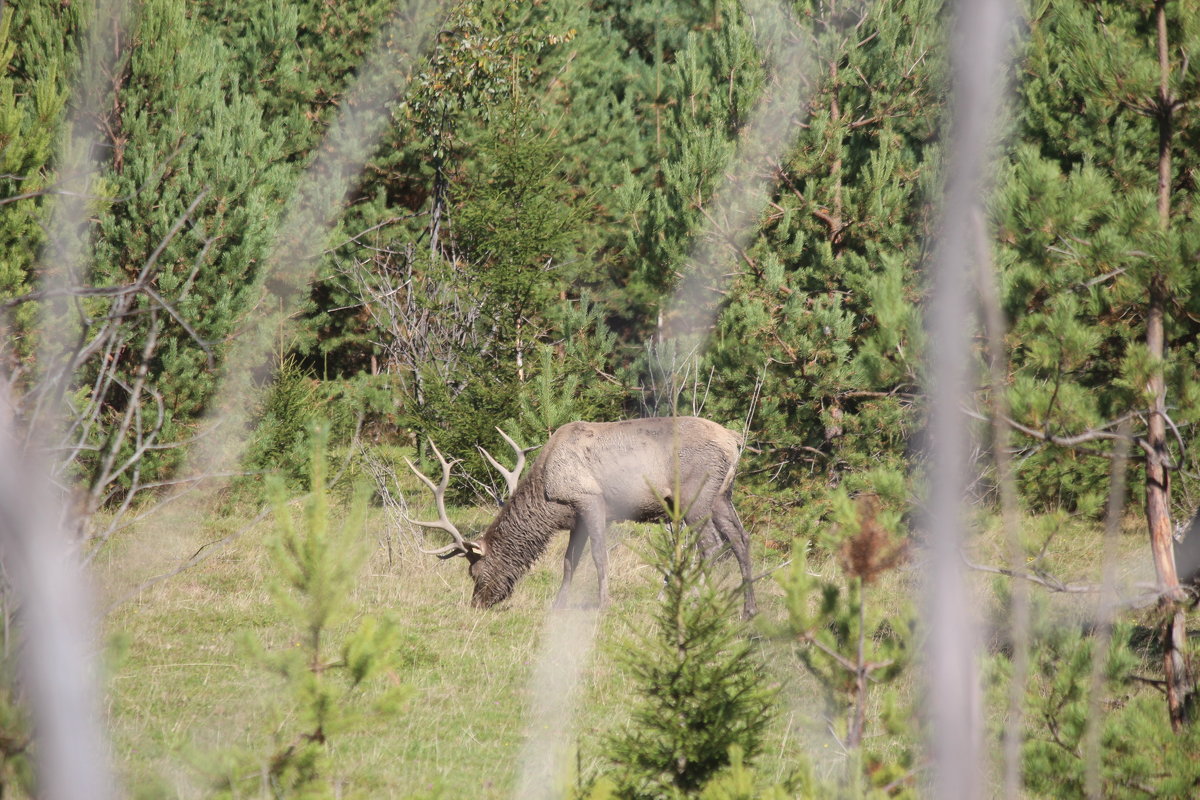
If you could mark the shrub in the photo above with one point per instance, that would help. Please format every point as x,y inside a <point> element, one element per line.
<point>700,689</point>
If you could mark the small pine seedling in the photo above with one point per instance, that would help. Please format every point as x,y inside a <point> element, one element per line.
<point>329,678</point>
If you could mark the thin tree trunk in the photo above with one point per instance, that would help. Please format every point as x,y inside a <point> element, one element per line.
<point>1019,605</point>
<point>858,722</point>
<point>1093,779</point>
<point>439,202</point>
<point>1158,480</point>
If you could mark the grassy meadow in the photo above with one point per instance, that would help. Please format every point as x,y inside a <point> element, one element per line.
<point>184,692</point>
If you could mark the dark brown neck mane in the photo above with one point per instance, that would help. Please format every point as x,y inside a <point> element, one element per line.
<point>521,532</point>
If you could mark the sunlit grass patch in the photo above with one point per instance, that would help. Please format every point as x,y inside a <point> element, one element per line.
<point>184,689</point>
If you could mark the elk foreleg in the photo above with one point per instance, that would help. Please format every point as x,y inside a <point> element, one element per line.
<point>594,520</point>
<point>579,537</point>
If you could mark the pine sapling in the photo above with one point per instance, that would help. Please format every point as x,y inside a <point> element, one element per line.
<point>330,677</point>
<point>1138,754</point>
<point>848,646</point>
<point>700,689</point>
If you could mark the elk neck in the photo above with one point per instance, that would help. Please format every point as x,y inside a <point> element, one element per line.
<point>522,530</point>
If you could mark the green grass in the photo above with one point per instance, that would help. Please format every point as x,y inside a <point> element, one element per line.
<point>185,691</point>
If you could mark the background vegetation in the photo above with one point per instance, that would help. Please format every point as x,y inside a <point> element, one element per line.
<point>507,259</point>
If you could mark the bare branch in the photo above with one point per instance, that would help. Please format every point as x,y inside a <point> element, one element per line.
<point>1101,433</point>
<point>1046,580</point>
<point>80,291</point>
<point>355,237</point>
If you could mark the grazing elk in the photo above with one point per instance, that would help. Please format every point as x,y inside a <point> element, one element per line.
<point>592,473</point>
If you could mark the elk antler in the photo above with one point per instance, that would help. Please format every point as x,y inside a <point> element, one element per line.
<point>511,476</point>
<point>458,547</point>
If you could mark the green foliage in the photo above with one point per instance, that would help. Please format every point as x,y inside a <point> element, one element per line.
<point>700,689</point>
<point>1139,754</point>
<point>31,111</point>
<point>570,380</point>
<point>282,427</point>
<point>515,231</point>
<point>292,408</point>
<point>328,696</point>
<point>615,97</point>
<point>484,55</point>
<point>549,399</point>
<point>295,57</point>
<point>513,223</point>
<point>823,313</point>
<point>214,108</point>
<point>738,781</point>
<point>1080,239</point>
<point>207,114</point>
<point>190,147</point>
<point>16,767</point>
<point>700,100</point>
<point>483,63</point>
<point>858,650</point>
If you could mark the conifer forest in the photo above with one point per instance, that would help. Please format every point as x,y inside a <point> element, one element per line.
<point>294,294</point>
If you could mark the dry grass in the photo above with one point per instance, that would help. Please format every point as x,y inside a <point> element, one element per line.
<point>185,691</point>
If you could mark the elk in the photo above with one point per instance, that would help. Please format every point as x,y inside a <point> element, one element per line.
<point>589,474</point>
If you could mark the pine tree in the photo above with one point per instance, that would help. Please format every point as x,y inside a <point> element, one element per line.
<point>290,407</point>
<point>697,98</point>
<point>856,647</point>
<point>570,380</point>
<point>210,112</point>
<point>1139,756</point>
<point>485,59</point>
<point>603,83</point>
<point>700,689</point>
<point>31,111</point>
<point>294,57</point>
<point>512,225</point>
<point>1096,221</point>
<point>823,310</point>
<point>187,135</point>
<point>488,261</point>
<point>513,237</point>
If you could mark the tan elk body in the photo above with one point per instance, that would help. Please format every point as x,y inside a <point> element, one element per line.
<point>593,473</point>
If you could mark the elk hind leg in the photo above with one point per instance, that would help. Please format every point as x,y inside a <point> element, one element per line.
<point>730,527</point>
<point>710,538</point>
<point>699,517</point>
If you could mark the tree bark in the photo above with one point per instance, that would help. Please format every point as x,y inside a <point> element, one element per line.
<point>1176,670</point>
